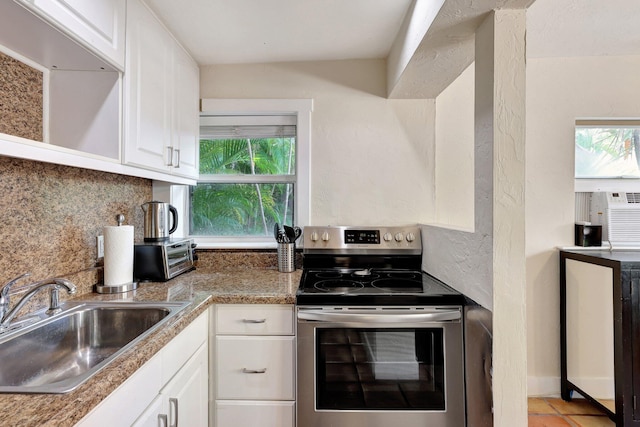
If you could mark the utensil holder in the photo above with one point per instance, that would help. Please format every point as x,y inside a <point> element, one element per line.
<point>286,257</point>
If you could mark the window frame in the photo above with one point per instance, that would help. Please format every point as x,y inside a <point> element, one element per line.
<point>302,109</point>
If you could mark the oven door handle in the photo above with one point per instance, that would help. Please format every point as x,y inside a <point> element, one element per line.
<point>324,316</point>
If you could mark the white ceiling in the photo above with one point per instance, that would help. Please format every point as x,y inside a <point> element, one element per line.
<point>255,31</point>
<point>568,28</point>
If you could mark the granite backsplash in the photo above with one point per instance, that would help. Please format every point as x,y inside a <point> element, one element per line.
<point>51,215</point>
<point>21,99</point>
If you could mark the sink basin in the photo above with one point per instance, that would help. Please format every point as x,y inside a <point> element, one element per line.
<point>57,354</point>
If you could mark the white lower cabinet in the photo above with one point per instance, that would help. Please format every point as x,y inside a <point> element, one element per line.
<point>171,389</point>
<point>184,401</point>
<point>254,365</point>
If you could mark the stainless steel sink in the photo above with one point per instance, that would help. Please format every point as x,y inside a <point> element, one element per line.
<point>57,354</point>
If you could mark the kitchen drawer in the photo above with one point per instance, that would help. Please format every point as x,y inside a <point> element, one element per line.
<point>255,413</point>
<point>259,368</point>
<point>254,319</point>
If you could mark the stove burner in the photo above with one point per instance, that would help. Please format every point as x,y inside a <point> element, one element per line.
<point>338,286</point>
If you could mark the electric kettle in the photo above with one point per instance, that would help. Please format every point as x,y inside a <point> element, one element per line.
<point>156,221</point>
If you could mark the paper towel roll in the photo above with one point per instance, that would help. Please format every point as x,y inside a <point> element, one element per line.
<point>118,255</point>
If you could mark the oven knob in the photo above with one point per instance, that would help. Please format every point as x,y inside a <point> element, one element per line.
<point>314,236</point>
<point>387,237</point>
<point>410,237</point>
<point>399,237</point>
<point>325,236</point>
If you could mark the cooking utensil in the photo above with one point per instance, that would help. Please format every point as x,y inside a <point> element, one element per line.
<point>290,233</point>
<point>298,232</point>
<point>280,234</point>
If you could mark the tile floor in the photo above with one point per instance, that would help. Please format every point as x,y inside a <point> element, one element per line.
<point>555,412</point>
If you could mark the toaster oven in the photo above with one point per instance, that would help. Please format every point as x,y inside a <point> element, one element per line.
<point>161,261</point>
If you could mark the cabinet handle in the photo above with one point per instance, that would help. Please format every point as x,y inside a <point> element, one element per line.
<point>173,409</point>
<point>254,320</point>
<point>254,371</point>
<point>162,420</point>
<point>170,155</point>
<point>177,165</point>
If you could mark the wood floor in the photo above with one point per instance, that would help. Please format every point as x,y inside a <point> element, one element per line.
<point>555,412</point>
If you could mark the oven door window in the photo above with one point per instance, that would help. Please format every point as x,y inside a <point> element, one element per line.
<point>380,369</point>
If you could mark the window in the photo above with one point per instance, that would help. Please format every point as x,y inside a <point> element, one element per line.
<point>607,149</point>
<point>253,172</point>
<point>607,154</point>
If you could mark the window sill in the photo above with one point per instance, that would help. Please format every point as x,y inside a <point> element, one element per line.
<point>589,185</point>
<point>233,243</point>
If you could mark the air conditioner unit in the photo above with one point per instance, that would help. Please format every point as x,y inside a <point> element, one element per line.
<point>619,215</point>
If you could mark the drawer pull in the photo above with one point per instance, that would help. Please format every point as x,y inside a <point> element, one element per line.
<point>254,320</point>
<point>254,371</point>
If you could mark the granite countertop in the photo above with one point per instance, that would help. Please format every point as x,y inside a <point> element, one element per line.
<point>200,287</point>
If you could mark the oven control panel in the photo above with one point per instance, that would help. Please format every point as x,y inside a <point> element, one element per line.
<point>354,239</point>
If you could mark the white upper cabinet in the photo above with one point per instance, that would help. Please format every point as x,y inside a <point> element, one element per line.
<point>119,93</point>
<point>161,97</point>
<point>99,25</point>
<point>185,114</point>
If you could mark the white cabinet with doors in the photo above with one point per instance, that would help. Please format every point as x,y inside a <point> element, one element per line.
<point>172,386</point>
<point>184,400</point>
<point>82,88</point>
<point>161,97</point>
<point>99,25</point>
<point>254,365</point>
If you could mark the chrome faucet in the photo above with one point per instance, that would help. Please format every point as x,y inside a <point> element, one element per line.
<point>4,294</point>
<point>6,315</point>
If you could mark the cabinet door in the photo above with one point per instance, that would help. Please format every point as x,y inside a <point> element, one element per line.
<point>119,408</point>
<point>631,278</point>
<point>185,115</point>
<point>590,328</point>
<point>260,368</point>
<point>98,24</point>
<point>151,416</point>
<point>186,396</point>
<point>147,90</point>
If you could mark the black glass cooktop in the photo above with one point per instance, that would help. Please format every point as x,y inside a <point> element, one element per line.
<point>373,287</point>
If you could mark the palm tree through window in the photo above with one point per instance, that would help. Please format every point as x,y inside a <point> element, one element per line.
<point>247,176</point>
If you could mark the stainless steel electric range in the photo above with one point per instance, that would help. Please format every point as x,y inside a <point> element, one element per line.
<point>380,342</point>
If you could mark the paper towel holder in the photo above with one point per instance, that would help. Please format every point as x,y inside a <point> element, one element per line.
<point>117,289</point>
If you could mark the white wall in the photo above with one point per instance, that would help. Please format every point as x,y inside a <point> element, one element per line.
<point>371,157</point>
<point>559,90</point>
<point>458,249</point>
<point>454,174</point>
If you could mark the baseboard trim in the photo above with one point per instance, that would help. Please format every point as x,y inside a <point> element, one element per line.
<point>543,386</point>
